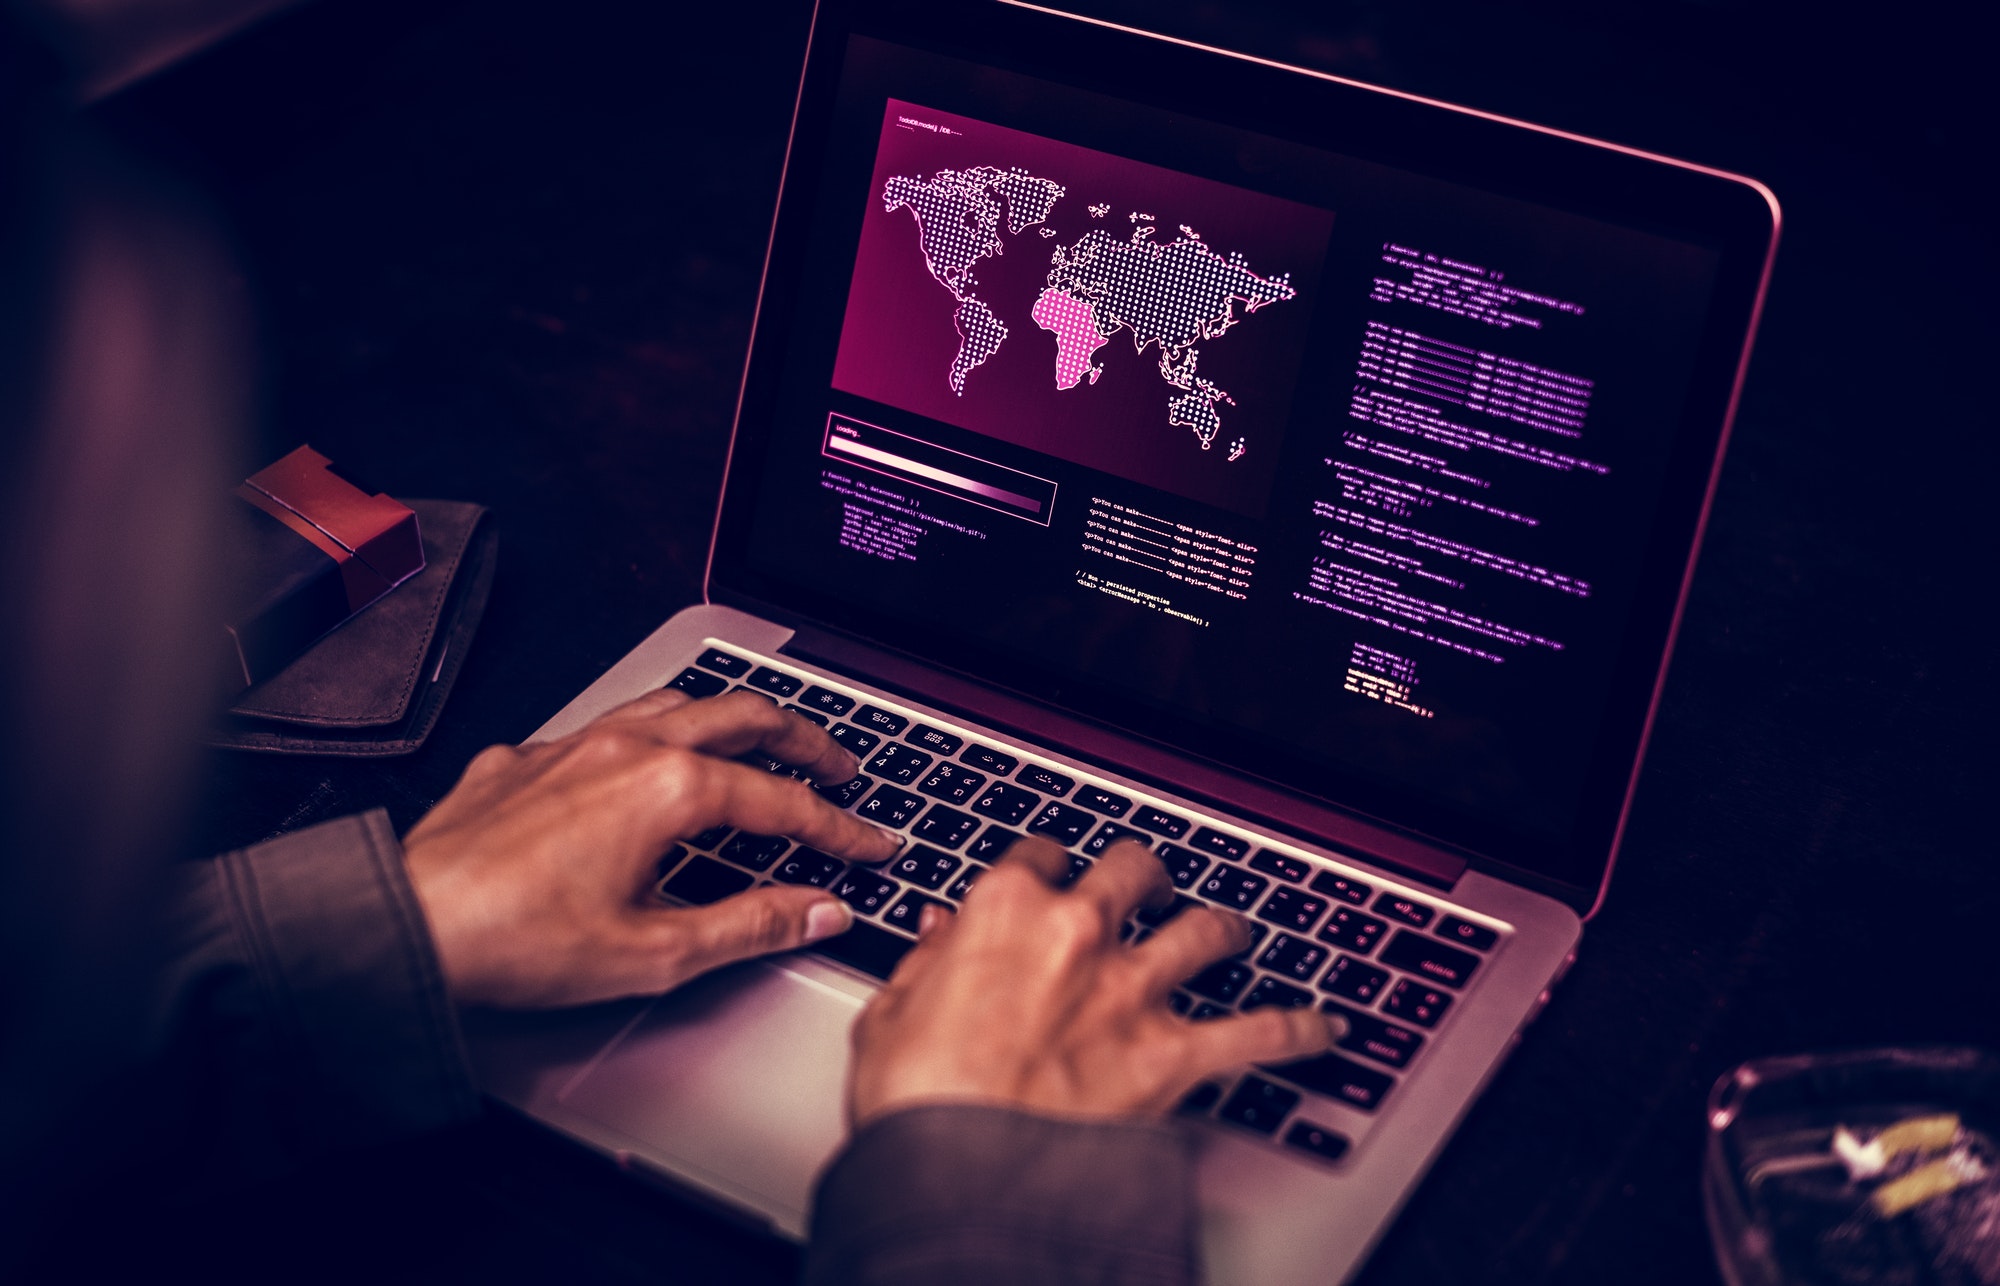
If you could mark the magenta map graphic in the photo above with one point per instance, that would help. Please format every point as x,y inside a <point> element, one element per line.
<point>1045,286</point>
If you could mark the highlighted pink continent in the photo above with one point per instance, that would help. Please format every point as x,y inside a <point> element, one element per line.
<point>1077,336</point>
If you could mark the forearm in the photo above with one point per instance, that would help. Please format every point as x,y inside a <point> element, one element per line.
<point>984,1196</point>
<point>302,1007</point>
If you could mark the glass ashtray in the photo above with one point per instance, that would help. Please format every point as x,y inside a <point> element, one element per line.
<point>1865,1168</point>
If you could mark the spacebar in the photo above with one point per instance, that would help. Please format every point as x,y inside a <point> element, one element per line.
<point>867,948</point>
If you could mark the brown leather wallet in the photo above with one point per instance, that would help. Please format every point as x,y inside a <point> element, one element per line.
<point>375,686</point>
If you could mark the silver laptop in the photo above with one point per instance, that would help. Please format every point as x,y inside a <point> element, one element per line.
<point>1139,439</point>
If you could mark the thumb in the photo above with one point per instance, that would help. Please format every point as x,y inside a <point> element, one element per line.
<point>758,922</point>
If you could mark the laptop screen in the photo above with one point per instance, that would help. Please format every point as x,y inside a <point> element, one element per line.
<point>1359,477</point>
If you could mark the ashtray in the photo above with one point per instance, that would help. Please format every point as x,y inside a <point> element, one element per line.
<point>1862,1168</point>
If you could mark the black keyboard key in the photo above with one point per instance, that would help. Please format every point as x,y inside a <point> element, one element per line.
<point>899,763</point>
<point>1153,918</point>
<point>1371,1037</point>
<point>668,861</point>
<point>1317,1140</point>
<point>1269,991</point>
<point>1285,868</point>
<point>945,827</point>
<point>1201,1098</point>
<point>807,866</point>
<point>990,759</point>
<point>1415,1003</point>
<point>1110,833</point>
<point>1205,1011</point>
<point>1429,959</point>
<point>710,838</point>
<point>891,807</point>
<point>1292,909</point>
<point>963,884</point>
<point>843,794</point>
<point>1258,1105</point>
<point>1341,888</point>
<point>1466,933</point>
<point>704,880</point>
<point>723,663</point>
<point>1009,804</point>
<point>925,866</point>
<point>808,715</point>
<point>698,683</point>
<point>1221,982</point>
<point>951,783</point>
<point>1339,1078</point>
<point>908,912</point>
<point>936,740</point>
<point>1401,908</point>
<point>876,719</point>
<point>1152,819</point>
<point>756,852</point>
<point>853,740</point>
<point>1061,823</point>
<point>1180,1002</point>
<point>1233,886</point>
<point>1352,931</point>
<point>826,701</point>
<point>1216,844</point>
<point>776,767</point>
<point>1077,866</point>
<point>1183,867</point>
<point>1354,980</point>
<point>865,891</point>
<point>1103,801</point>
<point>766,679</point>
<point>867,948</point>
<point>1046,780</point>
<point>991,846</point>
<point>1295,958</point>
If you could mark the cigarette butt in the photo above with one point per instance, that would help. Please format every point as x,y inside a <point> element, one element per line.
<point>1920,1134</point>
<point>1932,1179</point>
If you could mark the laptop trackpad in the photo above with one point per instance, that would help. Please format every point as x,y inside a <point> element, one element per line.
<point>735,1082</point>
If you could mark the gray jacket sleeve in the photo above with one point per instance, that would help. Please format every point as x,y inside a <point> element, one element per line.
<point>303,1002</point>
<point>986,1196</point>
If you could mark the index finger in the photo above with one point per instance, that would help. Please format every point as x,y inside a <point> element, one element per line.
<point>1049,863</point>
<point>1271,1035</point>
<point>738,722</point>
<point>727,794</point>
<point>1126,878</point>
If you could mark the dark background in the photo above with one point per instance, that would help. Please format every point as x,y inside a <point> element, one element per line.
<point>480,279</point>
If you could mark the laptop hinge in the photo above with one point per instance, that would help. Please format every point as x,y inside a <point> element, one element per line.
<point>1230,792</point>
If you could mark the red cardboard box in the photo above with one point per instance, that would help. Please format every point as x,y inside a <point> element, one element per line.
<point>312,549</point>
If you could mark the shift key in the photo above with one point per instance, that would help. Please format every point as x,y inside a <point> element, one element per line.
<point>1338,1078</point>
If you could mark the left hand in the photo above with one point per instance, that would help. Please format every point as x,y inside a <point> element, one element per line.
<point>535,871</point>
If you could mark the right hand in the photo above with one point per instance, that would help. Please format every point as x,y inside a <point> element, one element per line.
<point>1027,999</point>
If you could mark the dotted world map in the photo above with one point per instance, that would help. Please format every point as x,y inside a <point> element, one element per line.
<point>1175,295</point>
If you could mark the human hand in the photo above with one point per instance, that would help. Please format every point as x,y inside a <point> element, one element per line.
<point>534,872</point>
<point>1027,999</point>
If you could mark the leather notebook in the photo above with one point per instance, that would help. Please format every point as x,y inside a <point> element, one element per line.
<point>375,686</point>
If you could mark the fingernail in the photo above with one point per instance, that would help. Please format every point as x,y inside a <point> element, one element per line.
<point>826,919</point>
<point>1336,1027</point>
<point>894,837</point>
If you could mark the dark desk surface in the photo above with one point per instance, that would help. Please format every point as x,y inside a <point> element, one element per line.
<point>481,280</point>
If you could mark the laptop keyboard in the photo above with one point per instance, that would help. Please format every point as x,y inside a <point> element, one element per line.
<point>1393,962</point>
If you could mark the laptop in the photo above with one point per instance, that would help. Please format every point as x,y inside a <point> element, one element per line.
<point>1143,440</point>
